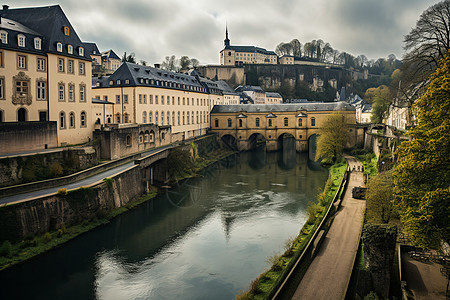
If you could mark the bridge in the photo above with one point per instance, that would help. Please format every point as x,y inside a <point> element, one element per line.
<point>244,126</point>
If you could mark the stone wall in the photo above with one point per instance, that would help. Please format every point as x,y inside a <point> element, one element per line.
<point>26,136</point>
<point>21,169</point>
<point>234,76</point>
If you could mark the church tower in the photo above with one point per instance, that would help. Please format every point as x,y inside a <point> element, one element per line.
<point>227,40</point>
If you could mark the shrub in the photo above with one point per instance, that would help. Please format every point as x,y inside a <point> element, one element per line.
<point>47,237</point>
<point>55,169</point>
<point>6,249</point>
<point>60,233</point>
<point>62,192</point>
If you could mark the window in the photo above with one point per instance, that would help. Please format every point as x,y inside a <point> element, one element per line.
<point>150,117</point>
<point>128,141</point>
<point>144,117</point>
<point>71,92</point>
<point>140,99</point>
<point>270,122</point>
<point>300,122</point>
<point>70,66</point>
<point>240,122</point>
<point>2,88</point>
<point>257,122</point>
<point>66,31</point>
<point>82,68</point>
<point>173,118</point>
<point>21,88</point>
<point>162,118</point>
<point>168,118</point>
<point>81,51</point>
<point>125,98</point>
<point>156,118</point>
<point>229,122</point>
<point>105,98</point>
<point>21,62</point>
<point>62,120</point>
<point>71,120</point>
<point>118,99</point>
<point>187,118</point>
<point>286,122</point>
<point>61,96</point>
<point>156,99</point>
<point>41,64</point>
<point>145,99</point>
<point>183,118</point>
<point>313,121</point>
<point>59,47</point>
<point>4,37</point>
<point>117,118</point>
<point>37,43</point>
<point>162,99</point>
<point>150,99</point>
<point>125,118</point>
<point>1,59</point>
<point>83,119</point>
<point>82,93</point>
<point>21,40</point>
<point>60,64</point>
<point>41,93</point>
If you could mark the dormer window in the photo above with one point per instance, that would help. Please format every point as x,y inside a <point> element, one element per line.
<point>59,47</point>
<point>127,81</point>
<point>70,49</point>
<point>81,51</point>
<point>111,82</point>
<point>66,31</point>
<point>21,40</point>
<point>4,37</point>
<point>117,81</point>
<point>37,43</point>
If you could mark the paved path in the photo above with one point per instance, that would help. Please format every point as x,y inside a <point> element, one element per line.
<point>329,274</point>
<point>74,185</point>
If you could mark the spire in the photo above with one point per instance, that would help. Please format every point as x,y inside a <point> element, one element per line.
<point>227,40</point>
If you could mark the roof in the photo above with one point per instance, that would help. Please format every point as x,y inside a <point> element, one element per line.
<point>91,48</point>
<point>273,95</point>
<point>110,54</point>
<point>226,89</point>
<point>252,88</point>
<point>99,101</point>
<point>138,75</point>
<point>49,21</point>
<point>13,28</point>
<point>252,49</point>
<point>322,106</point>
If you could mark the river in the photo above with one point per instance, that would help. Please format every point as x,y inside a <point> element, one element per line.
<point>206,238</point>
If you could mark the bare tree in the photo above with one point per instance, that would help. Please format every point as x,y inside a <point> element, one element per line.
<point>429,41</point>
<point>170,63</point>
<point>194,62</point>
<point>296,47</point>
<point>284,49</point>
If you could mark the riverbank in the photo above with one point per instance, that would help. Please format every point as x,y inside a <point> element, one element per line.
<point>15,253</point>
<point>267,283</point>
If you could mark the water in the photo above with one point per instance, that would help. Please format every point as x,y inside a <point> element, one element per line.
<point>206,238</point>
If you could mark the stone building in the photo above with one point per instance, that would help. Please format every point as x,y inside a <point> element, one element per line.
<point>45,72</point>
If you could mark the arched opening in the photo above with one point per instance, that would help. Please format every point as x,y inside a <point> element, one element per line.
<point>312,146</point>
<point>256,140</point>
<point>287,154</point>
<point>152,136</point>
<point>21,115</point>
<point>141,137</point>
<point>229,141</point>
<point>128,141</point>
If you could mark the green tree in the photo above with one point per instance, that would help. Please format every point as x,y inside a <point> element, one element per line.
<point>379,196</point>
<point>381,99</point>
<point>333,136</point>
<point>422,175</point>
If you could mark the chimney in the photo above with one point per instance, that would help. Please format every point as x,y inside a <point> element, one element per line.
<point>157,66</point>
<point>5,7</point>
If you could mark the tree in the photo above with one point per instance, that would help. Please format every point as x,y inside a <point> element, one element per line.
<point>422,175</point>
<point>333,136</point>
<point>185,62</point>
<point>296,47</point>
<point>429,41</point>
<point>169,63</point>
<point>381,99</point>
<point>194,62</point>
<point>379,195</point>
<point>129,58</point>
<point>283,49</point>
<point>142,62</point>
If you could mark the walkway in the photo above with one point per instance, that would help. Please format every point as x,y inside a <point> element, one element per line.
<point>329,274</point>
<point>85,182</point>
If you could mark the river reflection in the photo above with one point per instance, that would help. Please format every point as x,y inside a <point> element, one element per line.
<point>205,238</point>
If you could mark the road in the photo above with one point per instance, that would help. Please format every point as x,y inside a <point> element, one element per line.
<point>77,184</point>
<point>329,274</point>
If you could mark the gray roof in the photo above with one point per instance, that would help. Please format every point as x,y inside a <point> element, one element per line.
<point>139,75</point>
<point>48,21</point>
<point>252,49</point>
<point>110,54</point>
<point>226,89</point>
<point>99,101</point>
<point>91,48</point>
<point>322,106</point>
<point>253,88</point>
<point>273,95</point>
<point>13,28</point>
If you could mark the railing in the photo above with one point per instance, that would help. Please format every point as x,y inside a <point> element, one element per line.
<point>312,244</point>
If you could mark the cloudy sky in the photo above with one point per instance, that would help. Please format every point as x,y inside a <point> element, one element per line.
<point>153,29</point>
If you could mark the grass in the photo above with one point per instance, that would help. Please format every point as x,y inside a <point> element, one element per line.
<point>266,284</point>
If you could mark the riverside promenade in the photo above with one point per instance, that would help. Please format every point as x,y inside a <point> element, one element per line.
<point>329,274</point>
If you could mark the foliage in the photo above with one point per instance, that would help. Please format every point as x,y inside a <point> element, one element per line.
<point>381,99</point>
<point>178,162</point>
<point>129,58</point>
<point>171,63</point>
<point>56,169</point>
<point>371,296</point>
<point>333,136</point>
<point>6,248</point>
<point>422,176</point>
<point>62,192</point>
<point>378,198</point>
<point>47,237</point>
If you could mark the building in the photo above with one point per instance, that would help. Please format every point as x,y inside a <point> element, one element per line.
<point>243,125</point>
<point>239,55</point>
<point>147,95</point>
<point>273,98</point>
<point>363,108</point>
<point>257,95</point>
<point>230,96</point>
<point>45,72</point>
<point>110,61</point>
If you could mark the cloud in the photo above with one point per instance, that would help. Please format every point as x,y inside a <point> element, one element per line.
<point>157,28</point>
